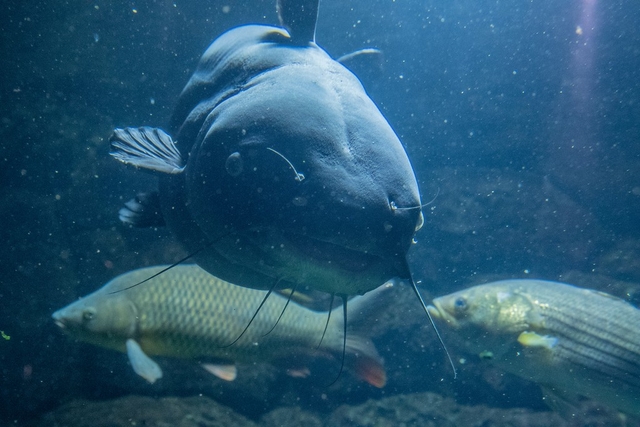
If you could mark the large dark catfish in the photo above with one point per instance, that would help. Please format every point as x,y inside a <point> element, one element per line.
<point>283,170</point>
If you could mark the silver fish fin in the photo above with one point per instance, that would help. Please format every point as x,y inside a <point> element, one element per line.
<point>147,148</point>
<point>532,339</point>
<point>224,372</point>
<point>141,363</point>
<point>142,211</point>
<point>564,402</point>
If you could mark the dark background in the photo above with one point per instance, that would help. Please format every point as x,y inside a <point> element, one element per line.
<point>527,131</point>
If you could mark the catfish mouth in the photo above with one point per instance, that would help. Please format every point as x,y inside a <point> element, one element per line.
<point>333,254</point>
<point>262,256</point>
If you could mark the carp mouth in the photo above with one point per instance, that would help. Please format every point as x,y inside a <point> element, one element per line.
<point>59,320</point>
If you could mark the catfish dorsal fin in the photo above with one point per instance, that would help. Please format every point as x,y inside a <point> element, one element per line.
<point>299,18</point>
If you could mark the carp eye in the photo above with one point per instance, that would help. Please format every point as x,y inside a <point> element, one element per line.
<point>88,314</point>
<point>460,304</point>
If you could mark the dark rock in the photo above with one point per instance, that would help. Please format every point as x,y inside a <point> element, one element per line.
<point>622,260</point>
<point>145,411</point>
<point>293,416</point>
<point>501,221</point>
<point>432,410</point>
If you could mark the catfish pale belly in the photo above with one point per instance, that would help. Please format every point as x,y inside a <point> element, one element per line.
<point>283,169</point>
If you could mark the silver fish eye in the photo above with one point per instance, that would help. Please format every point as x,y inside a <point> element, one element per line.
<point>460,304</point>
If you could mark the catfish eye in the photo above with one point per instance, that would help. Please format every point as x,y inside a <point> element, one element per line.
<point>88,314</point>
<point>460,304</point>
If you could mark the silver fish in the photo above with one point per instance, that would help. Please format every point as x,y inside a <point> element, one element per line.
<point>570,340</point>
<point>188,313</point>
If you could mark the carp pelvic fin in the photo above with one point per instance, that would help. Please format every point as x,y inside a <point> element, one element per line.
<point>224,372</point>
<point>142,364</point>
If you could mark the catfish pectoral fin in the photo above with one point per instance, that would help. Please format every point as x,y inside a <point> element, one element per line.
<point>143,211</point>
<point>147,148</point>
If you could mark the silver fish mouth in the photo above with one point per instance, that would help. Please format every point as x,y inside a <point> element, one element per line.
<point>434,312</point>
<point>437,312</point>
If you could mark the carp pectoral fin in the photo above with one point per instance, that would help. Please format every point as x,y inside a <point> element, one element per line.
<point>146,148</point>
<point>531,339</point>
<point>143,211</point>
<point>141,363</point>
<point>224,372</point>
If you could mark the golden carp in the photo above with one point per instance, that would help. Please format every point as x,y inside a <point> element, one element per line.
<point>188,313</point>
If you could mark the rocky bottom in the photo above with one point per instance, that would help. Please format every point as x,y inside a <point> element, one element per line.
<point>420,409</point>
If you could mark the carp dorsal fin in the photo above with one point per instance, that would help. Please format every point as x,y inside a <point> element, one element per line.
<point>142,364</point>
<point>299,18</point>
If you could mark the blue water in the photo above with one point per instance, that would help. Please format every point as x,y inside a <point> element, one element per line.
<point>521,120</point>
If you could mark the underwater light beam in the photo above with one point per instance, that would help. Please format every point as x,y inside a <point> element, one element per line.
<point>583,56</point>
